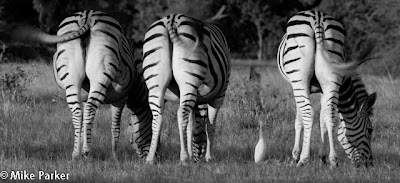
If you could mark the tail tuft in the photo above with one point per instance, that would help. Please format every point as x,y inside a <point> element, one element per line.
<point>33,34</point>
<point>348,68</point>
<point>26,34</point>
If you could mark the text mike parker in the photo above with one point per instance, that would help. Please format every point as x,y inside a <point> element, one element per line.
<point>33,175</point>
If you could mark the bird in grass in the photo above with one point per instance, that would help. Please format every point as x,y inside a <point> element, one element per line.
<point>260,150</point>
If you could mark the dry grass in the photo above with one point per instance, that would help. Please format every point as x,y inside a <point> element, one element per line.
<point>37,134</point>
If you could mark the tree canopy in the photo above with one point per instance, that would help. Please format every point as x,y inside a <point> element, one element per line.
<point>253,27</point>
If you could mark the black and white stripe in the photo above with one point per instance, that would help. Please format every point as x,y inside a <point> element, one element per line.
<point>93,54</point>
<point>355,128</point>
<point>186,60</point>
<point>311,57</point>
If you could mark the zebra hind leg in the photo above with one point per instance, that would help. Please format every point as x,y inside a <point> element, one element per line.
<point>188,83</point>
<point>324,131</point>
<point>199,132</point>
<point>156,103</point>
<point>213,109</point>
<point>116,113</point>
<point>298,129</point>
<point>95,99</point>
<point>183,114</point>
<point>307,115</point>
<point>189,133</point>
<point>330,100</point>
<point>73,100</point>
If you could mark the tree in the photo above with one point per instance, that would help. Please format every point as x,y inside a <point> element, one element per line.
<point>372,30</point>
<point>147,11</point>
<point>52,12</point>
<point>257,12</point>
<point>269,16</point>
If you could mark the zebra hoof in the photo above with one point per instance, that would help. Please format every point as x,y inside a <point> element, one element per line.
<point>86,155</point>
<point>293,162</point>
<point>76,156</point>
<point>333,166</point>
<point>296,155</point>
<point>150,162</point>
<point>184,163</point>
<point>115,158</point>
<point>334,163</point>
<point>301,163</point>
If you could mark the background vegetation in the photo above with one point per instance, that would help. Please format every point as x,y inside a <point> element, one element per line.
<point>253,27</point>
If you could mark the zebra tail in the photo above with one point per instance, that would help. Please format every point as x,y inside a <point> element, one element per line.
<point>31,34</point>
<point>319,34</point>
<point>348,68</point>
<point>173,34</point>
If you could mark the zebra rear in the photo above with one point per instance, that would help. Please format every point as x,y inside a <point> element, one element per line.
<point>93,54</point>
<point>311,58</point>
<point>186,60</point>
<point>107,66</point>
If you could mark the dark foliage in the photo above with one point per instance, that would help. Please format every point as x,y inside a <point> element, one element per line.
<point>253,28</point>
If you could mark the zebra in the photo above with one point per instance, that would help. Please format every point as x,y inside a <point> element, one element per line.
<point>311,58</point>
<point>93,54</point>
<point>186,60</point>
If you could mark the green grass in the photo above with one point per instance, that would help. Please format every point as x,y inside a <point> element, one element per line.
<point>36,133</point>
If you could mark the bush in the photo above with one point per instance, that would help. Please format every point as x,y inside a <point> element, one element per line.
<point>14,83</point>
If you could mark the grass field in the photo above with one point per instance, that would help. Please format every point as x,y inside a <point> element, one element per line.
<point>36,134</point>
